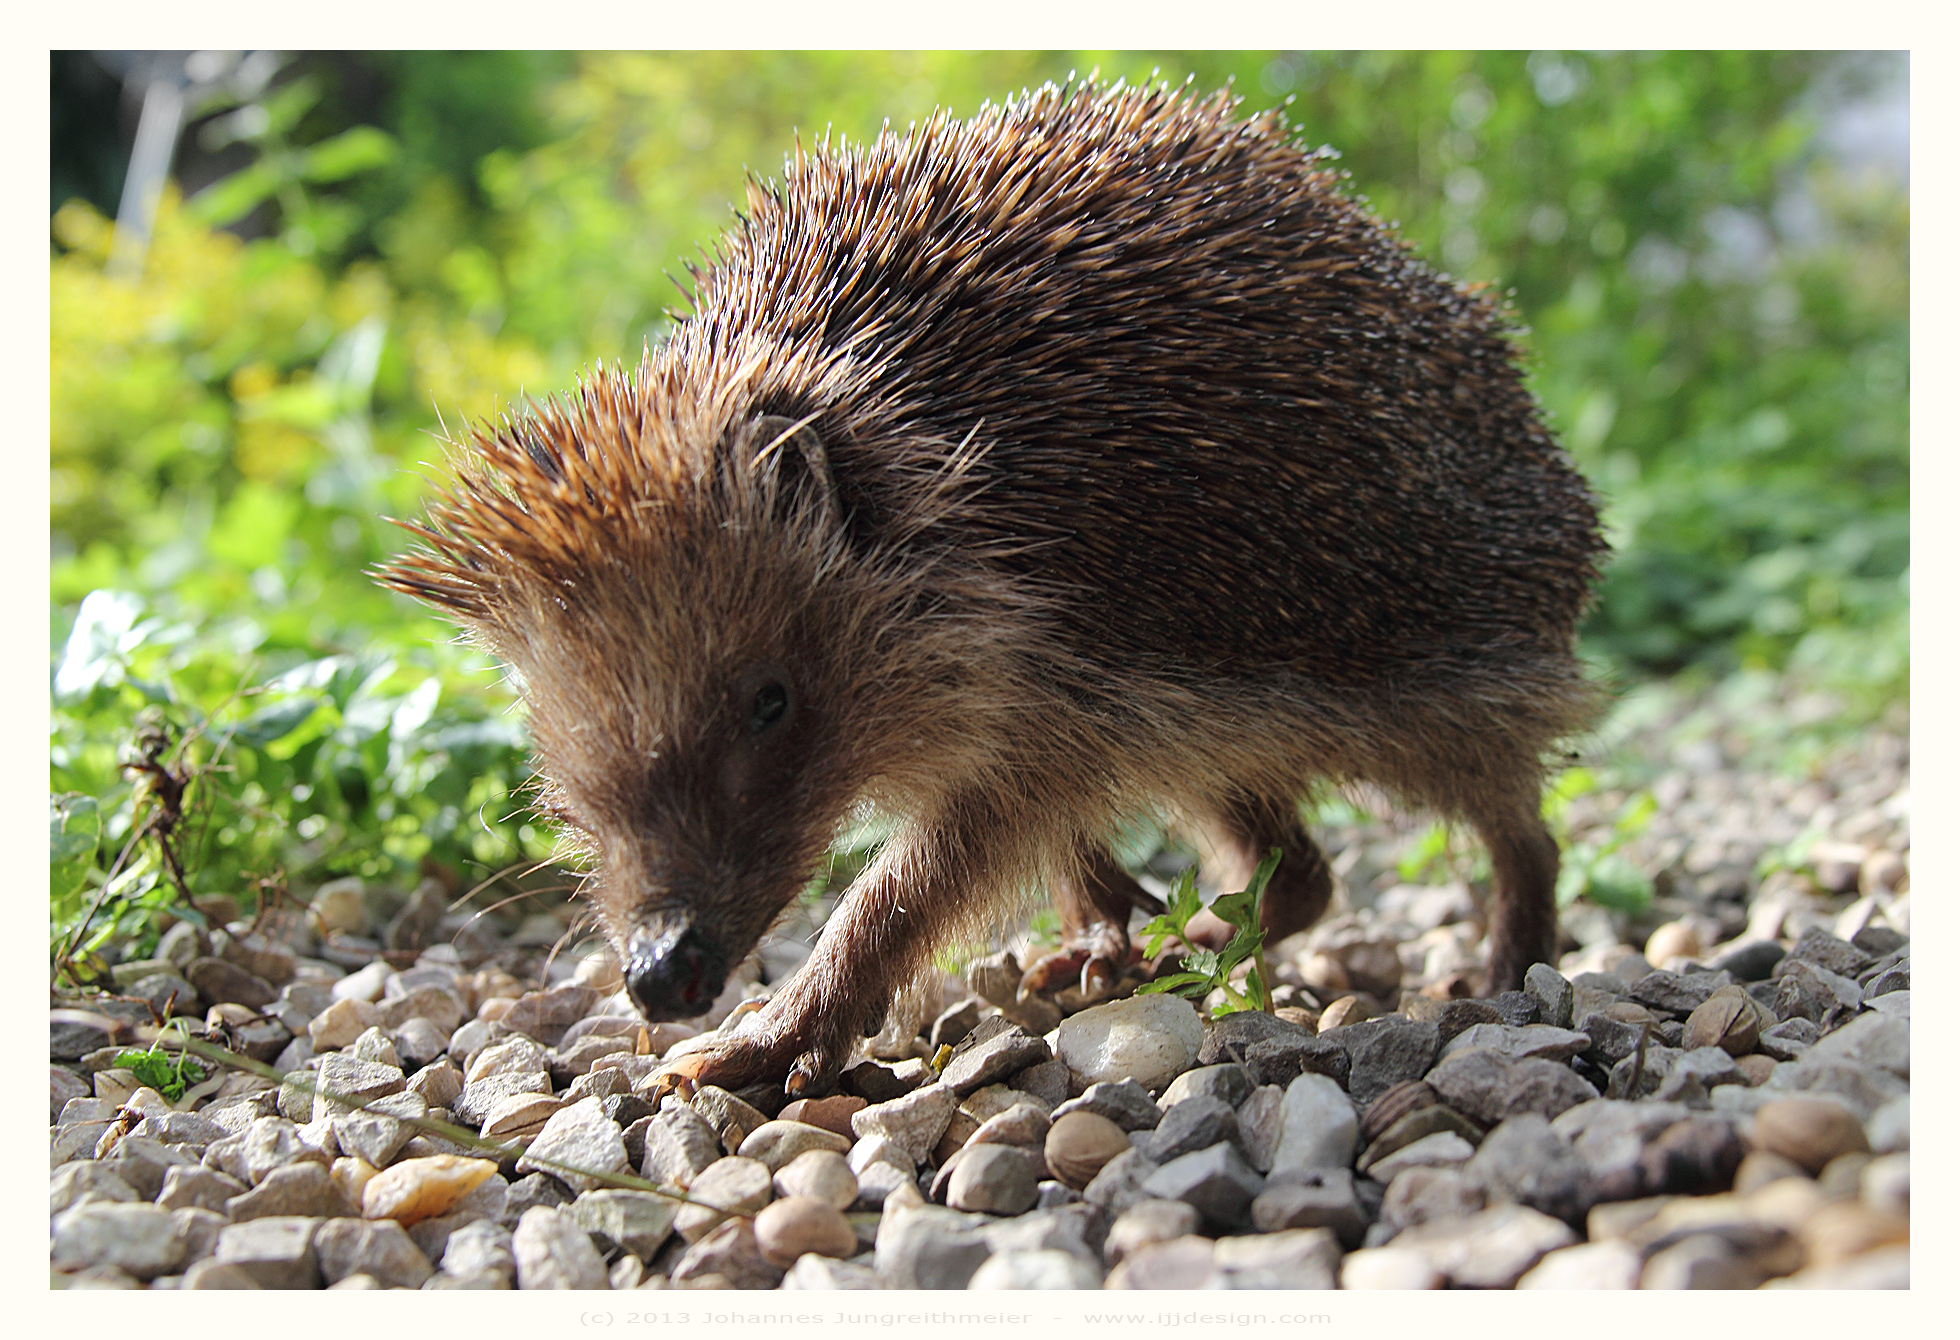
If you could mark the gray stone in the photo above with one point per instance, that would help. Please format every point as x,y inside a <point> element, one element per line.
<point>1863,1089</point>
<point>1489,1087</point>
<point>1806,991</point>
<point>1821,949</point>
<point>821,1272</point>
<point>1124,1102</point>
<point>143,1163</point>
<point>166,992</point>
<point>552,1252</point>
<point>732,1185</point>
<point>1227,1082</point>
<point>1525,1162</point>
<point>277,1253</point>
<point>419,1042</point>
<point>1789,1039</point>
<point>1048,1081</point>
<point>1217,1182</point>
<point>304,1190</point>
<point>1490,1249</point>
<point>1873,1040</point>
<point>1228,1037</point>
<point>1120,1183</point>
<point>1418,1195</point>
<point>1892,980</point>
<point>1440,1149</point>
<point>134,1238</point>
<point>679,1145</point>
<point>914,1121</point>
<point>1608,1135</point>
<point>1540,1040</point>
<point>345,1077</point>
<point>1318,1125</point>
<point>268,1143</point>
<point>212,1273</point>
<point>378,1132</point>
<point>478,1097</point>
<point>1192,1124</point>
<point>219,982</point>
<point>1894,1004</point>
<point>994,1179</point>
<point>634,1221</point>
<point>480,1247</point>
<point>993,1059</point>
<point>1553,993</point>
<point>64,1085</point>
<point>526,1192</point>
<point>1312,1198</point>
<point>1078,1228</point>
<point>197,1229</point>
<point>1613,1040</point>
<point>930,1248</point>
<point>576,1143</point>
<point>85,1182</point>
<point>545,1015</point>
<point>379,1249</point>
<point>1181,1263</point>
<point>203,1188</point>
<point>1148,1222</point>
<point>1045,1269</point>
<point>1261,1117</point>
<point>730,1252</point>
<point>1151,1039</point>
<point>1297,1258</point>
<point>1385,1052</point>
<point>1676,994</point>
<point>1281,1060</point>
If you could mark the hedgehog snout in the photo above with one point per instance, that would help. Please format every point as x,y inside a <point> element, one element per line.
<point>672,971</point>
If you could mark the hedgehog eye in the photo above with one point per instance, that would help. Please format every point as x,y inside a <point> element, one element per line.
<point>771,701</point>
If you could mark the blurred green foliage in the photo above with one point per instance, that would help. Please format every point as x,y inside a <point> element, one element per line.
<point>1716,319</point>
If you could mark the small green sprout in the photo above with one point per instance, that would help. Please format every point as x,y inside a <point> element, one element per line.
<point>1204,969</point>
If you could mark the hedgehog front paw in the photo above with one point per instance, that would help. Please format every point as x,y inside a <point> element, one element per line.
<point>805,1056</point>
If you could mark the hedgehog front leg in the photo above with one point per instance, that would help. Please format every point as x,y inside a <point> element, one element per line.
<point>903,905</point>
<point>1094,902</point>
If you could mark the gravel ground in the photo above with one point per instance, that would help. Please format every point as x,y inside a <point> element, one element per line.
<point>1710,1091</point>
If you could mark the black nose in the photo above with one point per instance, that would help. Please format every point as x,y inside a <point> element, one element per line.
<point>672,973</point>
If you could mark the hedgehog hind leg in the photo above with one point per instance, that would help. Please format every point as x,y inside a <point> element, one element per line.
<point>1522,912</point>
<point>1242,836</point>
<point>1094,899</point>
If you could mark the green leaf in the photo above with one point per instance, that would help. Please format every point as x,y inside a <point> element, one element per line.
<point>1179,982</point>
<point>74,833</point>
<point>105,632</point>
<point>1614,882</point>
<point>350,152</point>
<point>231,198</point>
<point>278,721</point>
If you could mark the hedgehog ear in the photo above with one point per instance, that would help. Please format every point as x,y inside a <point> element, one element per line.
<point>791,456</point>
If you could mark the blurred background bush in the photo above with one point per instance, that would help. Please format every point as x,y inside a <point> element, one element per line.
<point>1707,250</point>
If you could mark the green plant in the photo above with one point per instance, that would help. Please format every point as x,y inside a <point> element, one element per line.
<point>1594,869</point>
<point>170,1073</point>
<point>1207,970</point>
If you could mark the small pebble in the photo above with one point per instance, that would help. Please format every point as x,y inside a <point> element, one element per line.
<point>787,1228</point>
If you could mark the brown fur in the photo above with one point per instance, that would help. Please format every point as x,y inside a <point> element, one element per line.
<point>1090,459</point>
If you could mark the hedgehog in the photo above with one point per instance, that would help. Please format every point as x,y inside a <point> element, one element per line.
<point>1097,457</point>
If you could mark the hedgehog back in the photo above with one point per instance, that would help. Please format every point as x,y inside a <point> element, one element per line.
<point>1222,414</point>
